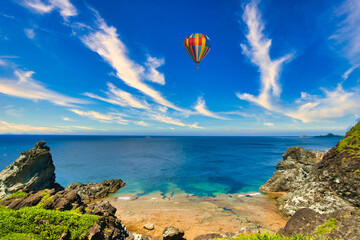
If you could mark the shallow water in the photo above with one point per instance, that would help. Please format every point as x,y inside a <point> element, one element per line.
<point>203,166</point>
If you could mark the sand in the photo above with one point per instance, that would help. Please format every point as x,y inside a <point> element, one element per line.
<point>197,215</point>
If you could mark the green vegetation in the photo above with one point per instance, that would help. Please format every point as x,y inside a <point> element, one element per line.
<point>359,211</point>
<point>327,227</point>
<point>266,236</point>
<point>38,223</point>
<point>45,198</point>
<point>351,141</point>
<point>17,195</point>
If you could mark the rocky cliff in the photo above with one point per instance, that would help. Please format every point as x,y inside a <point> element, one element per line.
<point>32,171</point>
<point>333,184</point>
<point>293,170</point>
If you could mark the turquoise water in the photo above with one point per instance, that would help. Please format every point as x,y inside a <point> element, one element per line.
<point>203,166</point>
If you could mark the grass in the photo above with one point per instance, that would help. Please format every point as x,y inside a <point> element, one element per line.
<point>327,227</point>
<point>266,236</point>
<point>38,223</point>
<point>353,135</point>
<point>17,195</point>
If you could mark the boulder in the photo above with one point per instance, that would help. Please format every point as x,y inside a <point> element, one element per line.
<point>149,226</point>
<point>92,191</point>
<point>172,233</point>
<point>336,225</point>
<point>292,171</point>
<point>101,208</point>
<point>34,170</point>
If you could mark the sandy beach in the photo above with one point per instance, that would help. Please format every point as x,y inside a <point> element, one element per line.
<point>198,215</point>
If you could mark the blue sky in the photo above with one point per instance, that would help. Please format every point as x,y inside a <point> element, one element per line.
<point>119,67</point>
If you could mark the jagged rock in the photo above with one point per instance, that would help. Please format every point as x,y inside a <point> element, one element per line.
<point>92,191</point>
<point>32,171</point>
<point>101,208</point>
<point>172,233</point>
<point>249,229</point>
<point>149,226</point>
<point>292,171</point>
<point>337,225</point>
<point>136,236</point>
<point>333,184</point>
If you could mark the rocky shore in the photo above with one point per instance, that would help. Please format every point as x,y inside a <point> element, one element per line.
<point>318,187</point>
<point>317,192</point>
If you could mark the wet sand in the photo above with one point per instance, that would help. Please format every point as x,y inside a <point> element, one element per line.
<point>197,215</point>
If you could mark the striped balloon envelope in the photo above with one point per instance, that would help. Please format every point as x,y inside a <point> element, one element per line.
<point>197,45</point>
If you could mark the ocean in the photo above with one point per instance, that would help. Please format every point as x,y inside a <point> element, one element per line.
<point>203,166</point>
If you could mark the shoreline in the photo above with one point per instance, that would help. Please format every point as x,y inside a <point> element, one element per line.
<point>225,213</point>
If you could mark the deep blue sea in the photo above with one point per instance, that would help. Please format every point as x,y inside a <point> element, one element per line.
<point>203,166</point>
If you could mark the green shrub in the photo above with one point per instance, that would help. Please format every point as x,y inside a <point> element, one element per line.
<point>17,195</point>
<point>37,223</point>
<point>327,227</point>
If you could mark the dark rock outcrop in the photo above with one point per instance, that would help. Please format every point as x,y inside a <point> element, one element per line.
<point>92,191</point>
<point>334,184</point>
<point>32,171</point>
<point>337,225</point>
<point>172,233</point>
<point>292,171</point>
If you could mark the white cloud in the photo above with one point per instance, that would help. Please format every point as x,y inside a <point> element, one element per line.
<point>119,97</point>
<point>65,8</point>
<point>257,51</point>
<point>349,71</point>
<point>333,105</point>
<point>348,33</point>
<point>6,127</point>
<point>154,75</point>
<point>67,119</point>
<point>26,87</point>
<point>14,111</point>
<point>107,118</point>
<point>202,109</point>
<point>82,127</point>
<point>3,63</point>
<point>269,124</point>
<point>104,41</point>
<point>141,123</point>
<point>169,120</point>
<point>30,33</point>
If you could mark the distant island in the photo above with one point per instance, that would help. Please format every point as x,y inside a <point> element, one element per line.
<point>329,135</point>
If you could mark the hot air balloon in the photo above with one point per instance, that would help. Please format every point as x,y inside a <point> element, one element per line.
<point>197,45</point>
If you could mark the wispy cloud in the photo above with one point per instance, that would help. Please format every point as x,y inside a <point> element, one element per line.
<point>30,33</point>
<point>82,127</point>
<point>141,123</point>
<point>333,104</point>
<point>257,50</point>
<point>349,71</point>
<point>105,41</point>
<point>170,120</point>
<point>107,118</point>
<point>119,97</point>
<point>6,127</point>
<point>348,33</point>
<point>67,119</point>
<point>269,124</point>
<point>14,111</point>
<point>65,8</point>
<point>201,108</point>
<point>153,74</point>
<point>24,86</point>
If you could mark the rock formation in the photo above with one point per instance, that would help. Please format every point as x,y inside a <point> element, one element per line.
<point>32,171</point>
<point>92,191</point>
<point>292,171</point>
<point>334,183</point>
<point>172,233</point>
<point>336,225</point>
